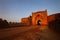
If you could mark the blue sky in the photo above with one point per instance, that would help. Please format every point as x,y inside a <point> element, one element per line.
<point>14,10</point>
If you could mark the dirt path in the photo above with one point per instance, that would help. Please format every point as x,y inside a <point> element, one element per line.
<point>28,33</point>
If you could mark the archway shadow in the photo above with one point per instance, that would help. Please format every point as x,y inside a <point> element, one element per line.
<point>38,22</point>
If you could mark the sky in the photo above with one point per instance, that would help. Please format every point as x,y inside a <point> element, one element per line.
<point>14,10</point>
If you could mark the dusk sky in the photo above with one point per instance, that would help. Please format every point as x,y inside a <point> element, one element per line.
<point>14,10</point>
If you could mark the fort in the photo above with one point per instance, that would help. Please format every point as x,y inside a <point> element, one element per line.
<point>40,18</point>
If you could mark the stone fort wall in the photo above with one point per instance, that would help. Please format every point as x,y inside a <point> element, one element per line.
<point>42,16</point>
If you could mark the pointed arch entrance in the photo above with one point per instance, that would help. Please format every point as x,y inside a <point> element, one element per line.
<point>38,19</point>
<point>38,22</point>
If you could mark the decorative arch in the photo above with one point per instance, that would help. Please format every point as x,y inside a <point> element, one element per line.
<point>38,15</point>
<point>38,22</point>
<point>38,19</point>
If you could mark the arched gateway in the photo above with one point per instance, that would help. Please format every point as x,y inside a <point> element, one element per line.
<point>39,18</point>
<point>38,22</point>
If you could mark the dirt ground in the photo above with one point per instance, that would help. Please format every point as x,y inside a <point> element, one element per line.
<point>28,33</point>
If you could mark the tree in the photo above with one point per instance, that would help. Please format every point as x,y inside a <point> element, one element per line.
<point>3,23</point>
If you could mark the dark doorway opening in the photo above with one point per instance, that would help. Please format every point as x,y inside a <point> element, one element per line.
<point>38,22</point>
